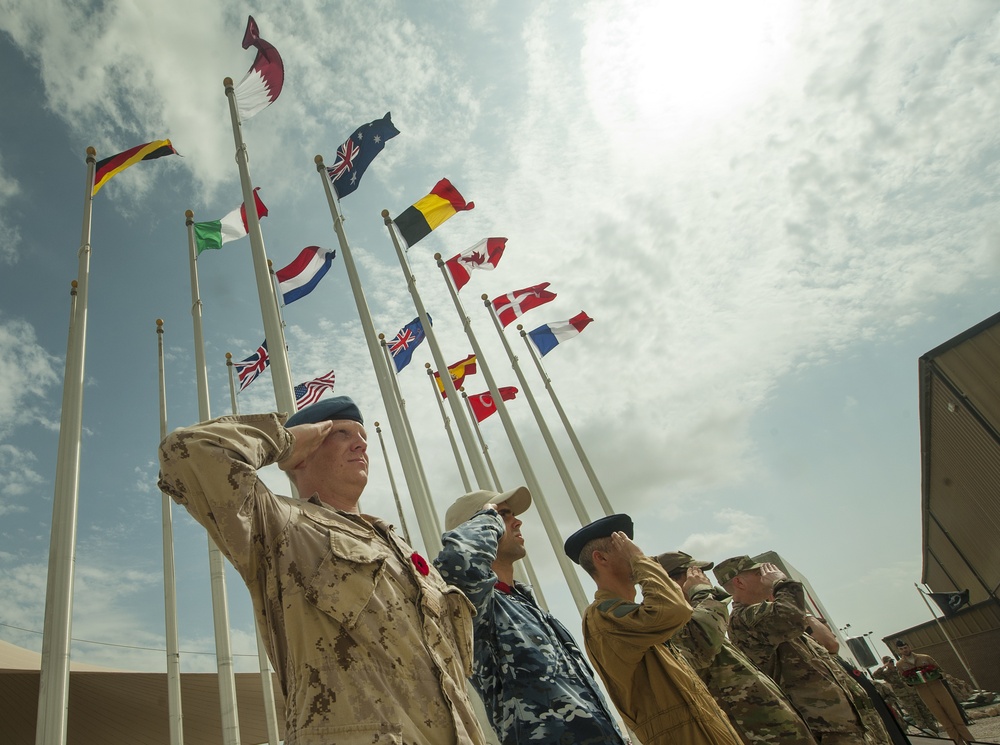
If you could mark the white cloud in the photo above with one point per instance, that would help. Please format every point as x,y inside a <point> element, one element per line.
<point>740,533</point>
<point>27,371</point>
<point>10,235</point>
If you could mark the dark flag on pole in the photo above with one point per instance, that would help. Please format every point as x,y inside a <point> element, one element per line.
<point>950,603</point>
<point>355,155</point>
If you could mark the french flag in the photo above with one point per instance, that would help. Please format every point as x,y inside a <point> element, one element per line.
<point>548,336</point>
<point>300,277</point>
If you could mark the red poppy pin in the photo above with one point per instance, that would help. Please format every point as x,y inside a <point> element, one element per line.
<point>420,563</point>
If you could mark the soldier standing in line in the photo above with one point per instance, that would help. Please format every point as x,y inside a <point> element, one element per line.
<point>535,684</point>
<point>756,707</point>
<point>922,673</point>
<point>908,698</point>
<point>768,622</point>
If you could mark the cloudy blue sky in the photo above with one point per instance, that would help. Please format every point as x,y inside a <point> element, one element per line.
<point>771,210</point>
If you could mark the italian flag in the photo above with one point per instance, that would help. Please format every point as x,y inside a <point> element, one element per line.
<point>230,228</point>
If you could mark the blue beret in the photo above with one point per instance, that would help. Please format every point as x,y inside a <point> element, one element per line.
<point>598,529</point>
<point>337,407</point>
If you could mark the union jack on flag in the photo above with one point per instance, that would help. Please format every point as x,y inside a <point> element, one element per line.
<point>247,370</point>
<point>309,393</point>
<point>355,155</point>
<point>402,345</point>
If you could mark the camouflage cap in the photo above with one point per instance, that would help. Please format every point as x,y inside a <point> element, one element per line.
<point>726,570</point>
<point>674,561</point>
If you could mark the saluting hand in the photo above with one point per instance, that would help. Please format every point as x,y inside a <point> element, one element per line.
<point>306,439</point>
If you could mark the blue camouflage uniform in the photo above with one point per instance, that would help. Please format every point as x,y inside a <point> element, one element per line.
<point>532,677</point>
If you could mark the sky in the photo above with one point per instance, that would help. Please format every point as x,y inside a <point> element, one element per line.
<point>771,210</point>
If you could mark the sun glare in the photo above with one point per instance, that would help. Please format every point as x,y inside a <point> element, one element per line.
<point>680,63</point>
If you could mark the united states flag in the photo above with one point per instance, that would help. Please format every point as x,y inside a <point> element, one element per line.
<point>252,366</point>
<point>309,393</point>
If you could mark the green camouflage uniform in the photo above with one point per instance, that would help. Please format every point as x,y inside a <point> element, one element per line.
<point>772,634</point>
<point>756,707</point>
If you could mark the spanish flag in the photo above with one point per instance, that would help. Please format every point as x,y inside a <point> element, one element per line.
<point>458,371</point>
<point>117,163</point>
<point>417,221</point>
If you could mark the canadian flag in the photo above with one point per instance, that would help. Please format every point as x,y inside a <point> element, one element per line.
<point>508,307</point>
<point>484,255</point>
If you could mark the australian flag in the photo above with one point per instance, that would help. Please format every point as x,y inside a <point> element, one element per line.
<point>252,366</point>
<point>355,155</point>
<point>409,338</point>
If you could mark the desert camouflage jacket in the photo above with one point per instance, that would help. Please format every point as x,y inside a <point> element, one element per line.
<point>369,643</point>
<point>772,634</point>
<point>532,677</point>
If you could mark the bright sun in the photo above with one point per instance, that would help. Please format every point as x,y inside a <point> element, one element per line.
<point>678,63</point>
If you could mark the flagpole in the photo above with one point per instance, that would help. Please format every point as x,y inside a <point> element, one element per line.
<point>407,428</point>
<point>464,429</point>
<point>419,493</point>
<point>174,707</point>
<point>53,684</point>
<point>571,490</point>
<point>528,573</point>
<point>266,685</point>
<point>447,428</point>
<point>392,484</point>
<point>591,474</point>
<point>537,498</point>
<point>216,563</point>
<point>281,377</point>
<point>923,596</point>
<point>482,443</point>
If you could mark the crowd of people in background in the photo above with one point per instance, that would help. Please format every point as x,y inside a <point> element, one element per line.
<point>372,642</point>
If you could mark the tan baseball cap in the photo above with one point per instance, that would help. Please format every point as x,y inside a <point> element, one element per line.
<point>466,506</point>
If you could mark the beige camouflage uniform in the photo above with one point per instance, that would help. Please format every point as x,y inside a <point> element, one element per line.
<point>908,698</point>
<point>757,708</point>
<point>368,648</point>
<point>772,634</point>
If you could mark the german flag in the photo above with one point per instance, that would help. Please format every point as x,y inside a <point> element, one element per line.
<point>417,221</point>
<point>117,163</point>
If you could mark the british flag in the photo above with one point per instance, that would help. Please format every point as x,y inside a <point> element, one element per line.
<point>247,370</point>
<point>402,345</point>
<point>309,393</point>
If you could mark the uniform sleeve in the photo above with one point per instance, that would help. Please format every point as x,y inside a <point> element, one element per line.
<point>466,560</point>
<point>782,619</point>
<point>211,470</point>
<point>632,628</point>
<point>701,638</point>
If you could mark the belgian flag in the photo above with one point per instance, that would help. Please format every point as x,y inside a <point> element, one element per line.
<point>417,221</point>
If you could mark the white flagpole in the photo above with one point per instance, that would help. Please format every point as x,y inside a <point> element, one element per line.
<point>571,491</point>
<point>531,481</point>
<point>525,564</point>
<point>392,484</point>
<point>281,377</point>
<point>53,686</point>
<point>464,429</point>
<point>482,443</point>
<point>174,707</point>
<point>216,562</point>
<point>594,481</point>
<point>447,428</point>
<point>419,493</point>
<point>267,687</point>
<point>407,428</point>
<point>944,633</point>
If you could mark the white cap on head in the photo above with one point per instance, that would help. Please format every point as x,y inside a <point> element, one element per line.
<point>466,506</point>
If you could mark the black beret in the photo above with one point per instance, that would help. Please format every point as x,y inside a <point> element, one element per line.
<point>337,407</point>
<point>598,529</point>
